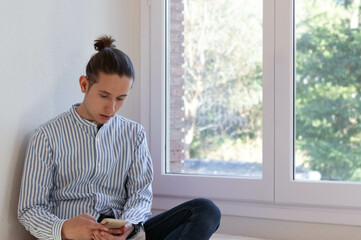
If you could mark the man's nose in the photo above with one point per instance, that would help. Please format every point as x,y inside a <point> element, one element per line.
<point>110,107</point>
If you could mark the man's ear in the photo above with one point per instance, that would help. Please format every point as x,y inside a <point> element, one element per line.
<point>84,84</point>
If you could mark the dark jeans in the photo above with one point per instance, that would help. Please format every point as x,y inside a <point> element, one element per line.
<point>197,219</point>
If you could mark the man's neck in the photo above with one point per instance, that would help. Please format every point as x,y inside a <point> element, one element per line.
<point>83,112</point>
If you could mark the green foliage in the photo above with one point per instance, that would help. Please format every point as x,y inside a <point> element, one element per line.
<point>328,90</point>
<point>223,90</point>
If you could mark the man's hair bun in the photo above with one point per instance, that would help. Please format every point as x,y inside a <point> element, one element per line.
<point>104,42</point>
<point>108,60</point>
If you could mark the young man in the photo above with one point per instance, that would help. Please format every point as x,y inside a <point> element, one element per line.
<point>90,163</point>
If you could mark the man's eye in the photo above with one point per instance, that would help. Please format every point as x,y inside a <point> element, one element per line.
<point>103,96</point>
<point>120,99</point>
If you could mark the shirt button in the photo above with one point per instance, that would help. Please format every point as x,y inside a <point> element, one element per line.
<point>98,164</point>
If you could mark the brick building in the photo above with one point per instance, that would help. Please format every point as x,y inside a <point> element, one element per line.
<point>176,85</point>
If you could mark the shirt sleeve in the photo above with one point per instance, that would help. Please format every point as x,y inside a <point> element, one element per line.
<point>34,209</point>
<point>140,176</point>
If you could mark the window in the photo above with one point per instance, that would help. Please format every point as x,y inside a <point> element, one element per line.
<point>214,87</point>
<point>327,83</point>
<point>192,183</point>
<point>289,186</point>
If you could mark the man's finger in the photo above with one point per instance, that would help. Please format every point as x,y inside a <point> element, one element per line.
<point>100,227</point>
<point>116,230</point>
<point>99,236</point>
<point>107,236</point>
<point>127,226</point>
<point>96,236</point>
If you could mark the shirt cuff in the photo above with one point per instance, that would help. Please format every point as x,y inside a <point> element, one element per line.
<point>57,226</point>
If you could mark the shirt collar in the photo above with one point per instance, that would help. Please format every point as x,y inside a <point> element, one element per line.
<point>79,119</point>
<point>90,126</point>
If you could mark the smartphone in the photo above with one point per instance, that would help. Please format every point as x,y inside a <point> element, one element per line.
<point>113,223</point>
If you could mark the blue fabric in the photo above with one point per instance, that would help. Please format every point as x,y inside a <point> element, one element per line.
<point>71,168</point>
<point>197,219</point>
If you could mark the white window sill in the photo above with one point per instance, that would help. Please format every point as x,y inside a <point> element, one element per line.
<point>302,213</point>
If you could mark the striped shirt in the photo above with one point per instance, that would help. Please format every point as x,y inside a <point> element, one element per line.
<point>71,168</point>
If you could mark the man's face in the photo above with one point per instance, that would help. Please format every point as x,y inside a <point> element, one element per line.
<point>104,98</point>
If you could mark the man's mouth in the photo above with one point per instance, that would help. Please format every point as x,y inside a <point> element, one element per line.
<point>106,117</point>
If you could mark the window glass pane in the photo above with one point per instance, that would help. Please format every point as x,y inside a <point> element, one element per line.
<point>328,85</point>
<point>214,87</point>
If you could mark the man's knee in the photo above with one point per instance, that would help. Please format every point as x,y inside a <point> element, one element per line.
<point>209,210</point>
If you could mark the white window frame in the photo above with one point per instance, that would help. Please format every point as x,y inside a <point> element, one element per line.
<point>195,185</point>
<point>324,193</point>
<point>276,195</point>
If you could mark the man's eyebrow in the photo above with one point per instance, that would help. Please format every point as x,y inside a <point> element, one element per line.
<point>102,91</point>
<point>105,92</point>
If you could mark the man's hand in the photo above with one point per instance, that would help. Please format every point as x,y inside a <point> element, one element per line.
<point>81,227</point>
<point>114,234</point>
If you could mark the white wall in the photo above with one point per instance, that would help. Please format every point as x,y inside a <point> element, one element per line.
<point>44,48</point>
